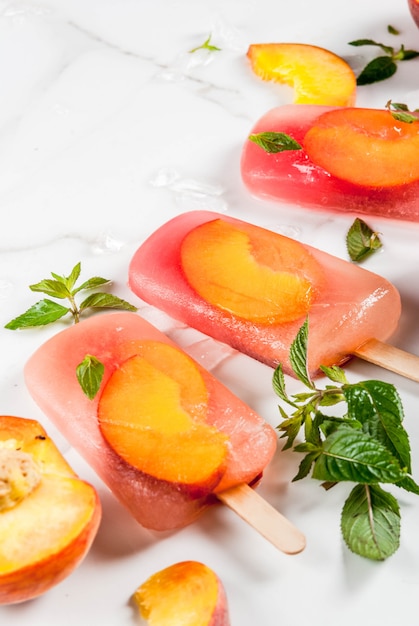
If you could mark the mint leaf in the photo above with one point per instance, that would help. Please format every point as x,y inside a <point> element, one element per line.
<point>377,70</point>
<point>350,454</point>
<point>105,301</point>
<point>273,142</point>
<point>53,288</point>
<point>361,241</point>
<point>370,522</point>
<point>90,374</point>
<point>298,355</point>
<point>377,405</point>
<point>40,314</point>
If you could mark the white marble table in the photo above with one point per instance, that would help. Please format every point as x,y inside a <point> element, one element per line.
<point>109,126</point>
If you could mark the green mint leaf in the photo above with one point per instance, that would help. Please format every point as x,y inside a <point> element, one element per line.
<point>105,301</point>
<point>370,42</point>
<point>377,70</point>
<point>278,384</point>
<point>378,407</point>
<point>273,142</point>
<point>70,280</point>
<point>392,30</point>
<point>92,283</point>
<point>305,465</point>
<point>206,46</point>
<point>361,241</point>
<point>334,373</point>
<point>40,314</point>
<point>290,429</point>
<point>409,484</point>
<point>349,454</point>
<point>400,112</point>
<point>53,288</point>
<point>90,374</point>
<point>370,522</point>
<point>406,55</point>
<point>298,355</point>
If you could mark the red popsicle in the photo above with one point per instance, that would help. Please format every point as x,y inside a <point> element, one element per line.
<point>253,289</point>
<point>351,160</point>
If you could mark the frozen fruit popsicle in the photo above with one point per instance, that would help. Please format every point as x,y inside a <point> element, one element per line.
<point>162,433</point>
<point>253,289</point>
<point>352,160</point>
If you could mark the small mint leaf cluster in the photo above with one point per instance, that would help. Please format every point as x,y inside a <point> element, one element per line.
<point>367,445</point>
<point>47,311</point>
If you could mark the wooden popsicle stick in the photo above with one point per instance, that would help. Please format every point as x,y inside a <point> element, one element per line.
<point>266,520</point>
<point>390,358</point>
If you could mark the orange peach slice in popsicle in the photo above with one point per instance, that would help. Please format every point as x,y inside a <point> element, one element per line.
<point>366,147</point>
<point>317,75</point>
<point>187,593</point>
<point>153,408</point>
<point>258,278</point>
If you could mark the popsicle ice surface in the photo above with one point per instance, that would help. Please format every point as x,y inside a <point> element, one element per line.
<point>352,160</point>
<point>162,432</point>
<point>253,289</point>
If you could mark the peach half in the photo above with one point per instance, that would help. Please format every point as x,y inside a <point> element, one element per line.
<point>317,75</point>
<point>48,516</point>
<point>188,593</point>
<point>257,275</point>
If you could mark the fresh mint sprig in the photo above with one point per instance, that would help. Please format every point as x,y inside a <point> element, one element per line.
<point>402,113</point>
<point>367,445</point>
<point>385,65</point>
<point>47,311</point>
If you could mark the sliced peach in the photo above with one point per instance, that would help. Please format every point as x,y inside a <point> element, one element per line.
<point>248,271</point>
<point>152,413</point>
<point>187,594</point>
<point>48,516</point>
<point>365,147</point>
<point>317,75</point>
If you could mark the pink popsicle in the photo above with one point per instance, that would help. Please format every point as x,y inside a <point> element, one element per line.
<point>349,305</point>
<point>156,503</point>
<point>292,177</point>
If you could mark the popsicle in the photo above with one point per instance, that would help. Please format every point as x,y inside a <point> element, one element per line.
<point>165,436</point>
<point>352,160</point>
<point>252,289</point>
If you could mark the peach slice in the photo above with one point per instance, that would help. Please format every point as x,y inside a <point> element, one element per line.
<point>240,268</point>
<point>156,401</point>
<point>48,516</point>
<point>187,593</point>
<point>317,75</point>
<point>365,147</point>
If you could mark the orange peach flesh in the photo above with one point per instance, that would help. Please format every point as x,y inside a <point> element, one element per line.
<point>50,529</point>
<point>317,75</point>
<point>239,269</point>
<point>152,413</point>
<point>187,590</point>
<point>365,147</point>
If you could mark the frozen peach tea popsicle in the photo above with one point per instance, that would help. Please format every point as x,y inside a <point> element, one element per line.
<point>346,159</point>
<point>163,434</point>
<point>253,289</point>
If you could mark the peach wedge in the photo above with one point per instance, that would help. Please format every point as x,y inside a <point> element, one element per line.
<point>48,516</point>
<point>317,75</point>
<point>187,593</point>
